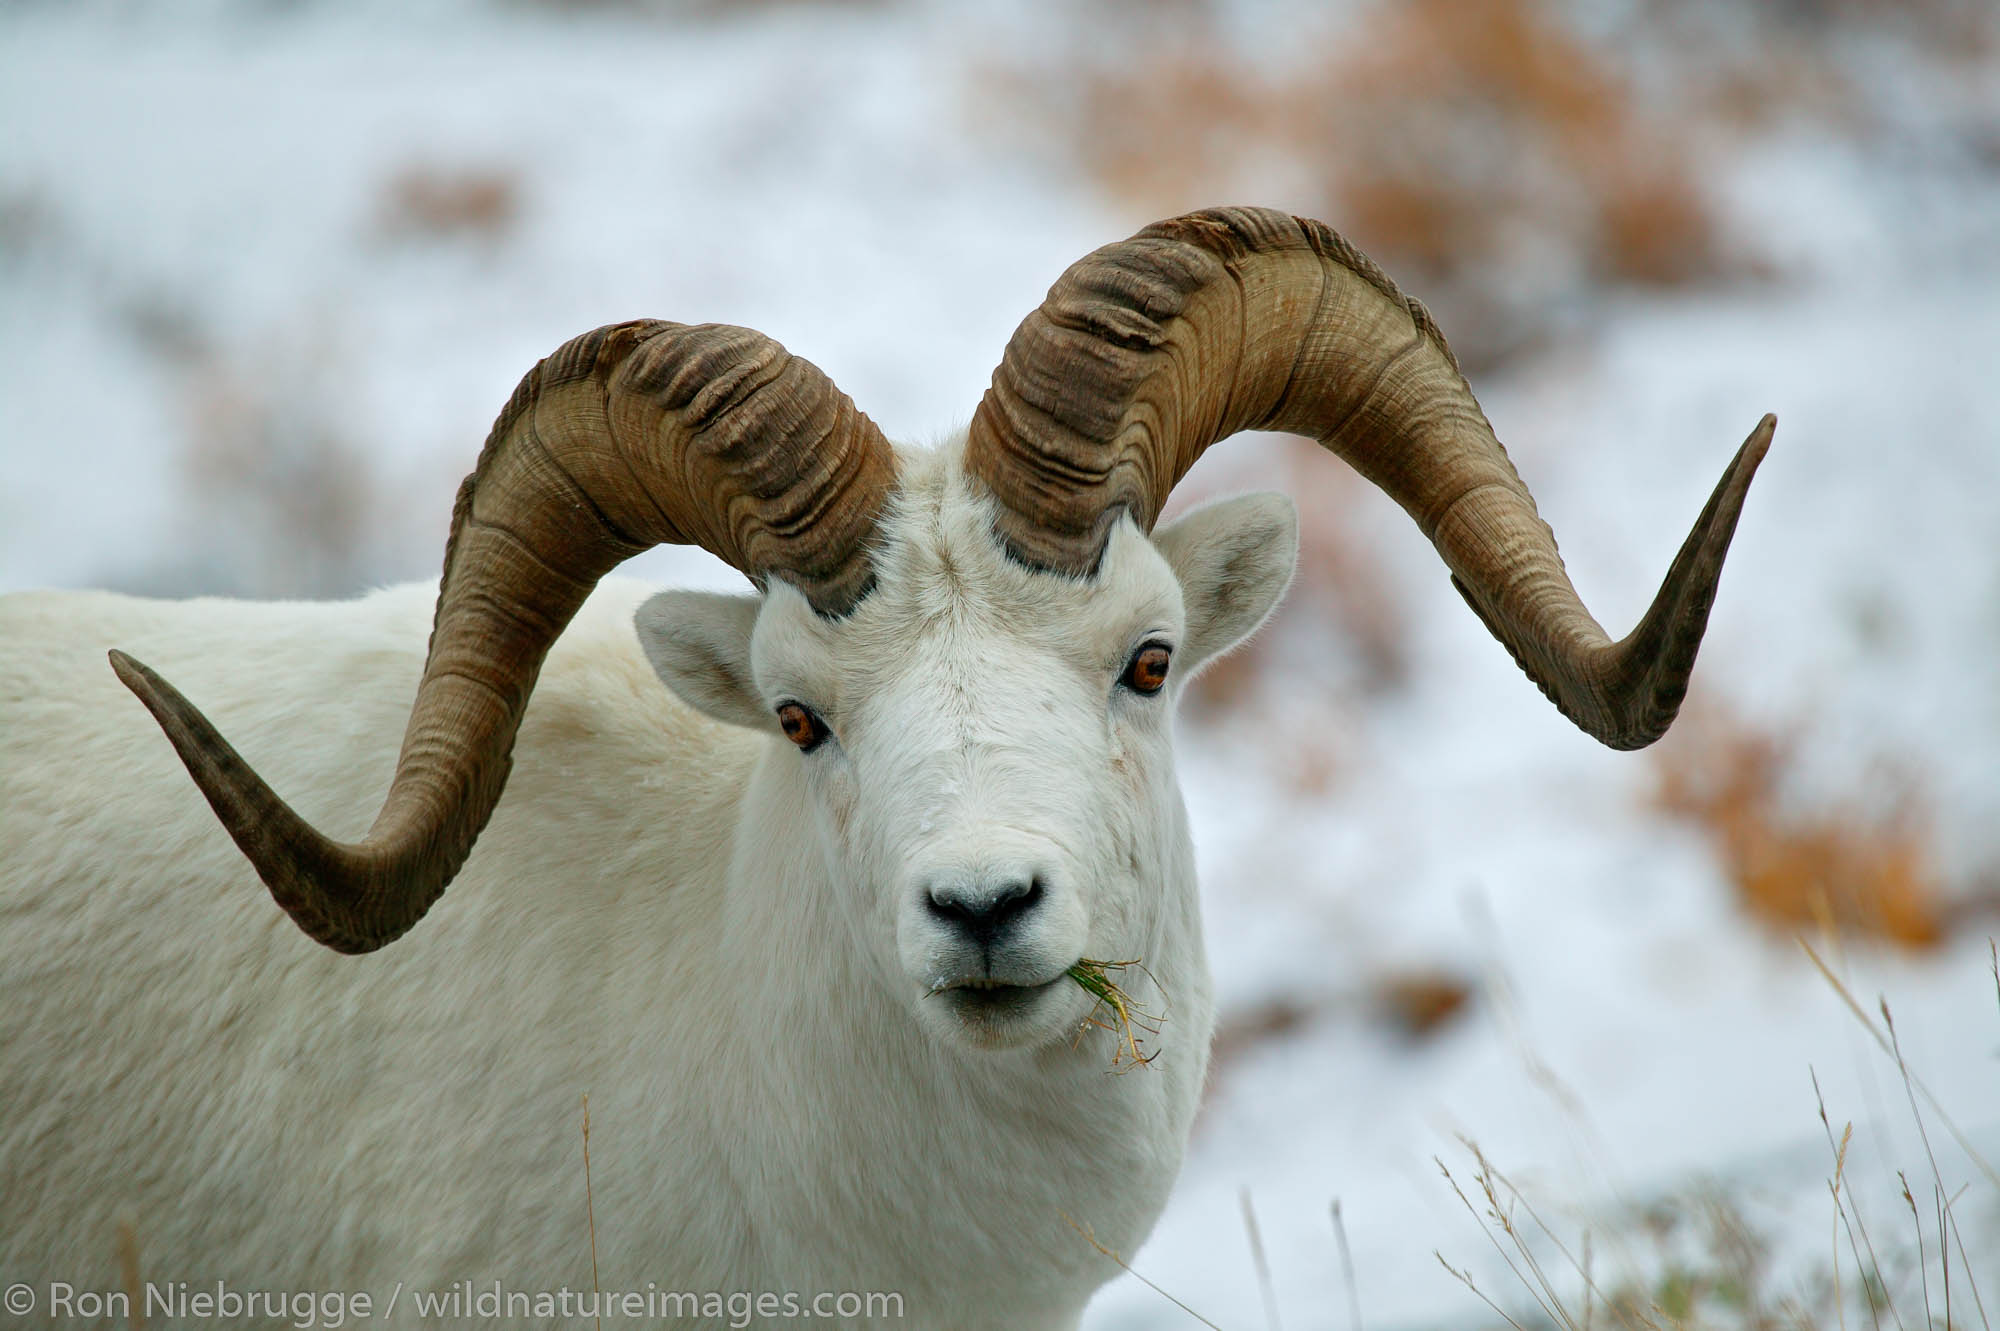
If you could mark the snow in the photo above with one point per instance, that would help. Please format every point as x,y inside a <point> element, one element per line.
<point>194,211</point>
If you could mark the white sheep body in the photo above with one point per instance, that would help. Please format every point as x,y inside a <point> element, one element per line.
<point>636,923</point>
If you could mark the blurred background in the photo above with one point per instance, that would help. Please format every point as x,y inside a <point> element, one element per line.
<point>268,269</point>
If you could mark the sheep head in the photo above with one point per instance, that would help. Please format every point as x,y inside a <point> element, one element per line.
<point>1035,607</point>
<point>976,764</point>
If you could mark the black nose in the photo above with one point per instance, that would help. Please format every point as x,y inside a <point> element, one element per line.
<point>984,911</point>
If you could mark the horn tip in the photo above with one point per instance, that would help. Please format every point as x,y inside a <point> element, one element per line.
<point>1759,442</point>
<point>130,671</point>
<point>1735,483</point>
<point>146,685</point>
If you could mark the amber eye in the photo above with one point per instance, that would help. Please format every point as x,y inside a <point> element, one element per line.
<point>1146,672</point>
<point>802,726</point>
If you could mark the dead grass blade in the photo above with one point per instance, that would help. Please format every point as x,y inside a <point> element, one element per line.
<point>1492,1176</point>
<point>1910,1079</point>
<point>128,1271</point>
<point>1261,1262</point>
<point>1465,1278</point>
<point>1850,1220</point>
<point>1947,1222</point>
<point>1130,1020</point>
<point>590,1211</point>
<point>1499,1218</point>
<point>1347,1269</point>
<point>1126,1267</point>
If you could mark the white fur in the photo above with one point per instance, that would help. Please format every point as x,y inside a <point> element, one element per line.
<point>722,940</point>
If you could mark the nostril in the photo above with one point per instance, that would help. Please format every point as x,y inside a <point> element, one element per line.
<point>946,906</point>
<point>982,911</point>
<point>1014,900</point>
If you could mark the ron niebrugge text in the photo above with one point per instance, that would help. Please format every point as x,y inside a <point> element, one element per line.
<point>328,1310</point>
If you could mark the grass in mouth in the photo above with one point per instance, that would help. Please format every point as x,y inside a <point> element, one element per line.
<point>1117,1011</point>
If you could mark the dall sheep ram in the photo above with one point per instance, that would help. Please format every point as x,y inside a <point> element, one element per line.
<point>800,923</point>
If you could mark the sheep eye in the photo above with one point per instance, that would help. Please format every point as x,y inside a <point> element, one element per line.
<point>1146,672</point>
<point>802,726</point>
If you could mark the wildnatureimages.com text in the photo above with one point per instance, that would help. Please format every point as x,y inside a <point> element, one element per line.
<point>465,1301</point>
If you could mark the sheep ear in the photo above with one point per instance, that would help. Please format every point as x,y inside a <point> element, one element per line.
<point>699,644</point>
<point>1234,558</point>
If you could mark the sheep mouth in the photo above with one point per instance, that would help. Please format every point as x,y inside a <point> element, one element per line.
<point>982,1001</point>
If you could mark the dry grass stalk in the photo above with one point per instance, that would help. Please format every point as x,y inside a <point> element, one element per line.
<point>1128,1020</point>
<point>1347,1269</point>
<point>1504,1203</point>
<point>1872,1284</point>
<point>129,1274</point>
<point>1261,1262</point>
<point>1730,1282</point>
<point>590,1210</point>
<point>1722,1281</point>
<point>1911,1082</point>
<point>1124,1266</point>
<point>1864,870</point>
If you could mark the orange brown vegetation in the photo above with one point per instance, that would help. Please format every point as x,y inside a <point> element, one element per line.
<point>1862,868</point>
<point>439,202</point>
<point>1418,1003</point>
<point>1414,1002</point>
<point>1240,1031</point>
<point>1506,160</point>
<point>1514,121</point>
<point>1490,158</point>
<point>1341,581</point>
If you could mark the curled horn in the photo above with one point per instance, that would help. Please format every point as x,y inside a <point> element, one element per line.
<point>1149,350</point>
<point>631,436</point>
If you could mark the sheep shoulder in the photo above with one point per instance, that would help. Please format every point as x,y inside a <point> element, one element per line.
<point>176,1014</point>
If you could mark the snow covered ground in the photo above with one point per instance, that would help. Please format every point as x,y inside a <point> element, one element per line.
<point>233,322</point>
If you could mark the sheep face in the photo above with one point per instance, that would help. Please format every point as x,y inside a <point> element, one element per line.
<point>985,750</point>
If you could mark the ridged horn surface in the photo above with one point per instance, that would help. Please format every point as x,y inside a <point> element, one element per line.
<point>631,436</point>
<point>1148,351</point>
